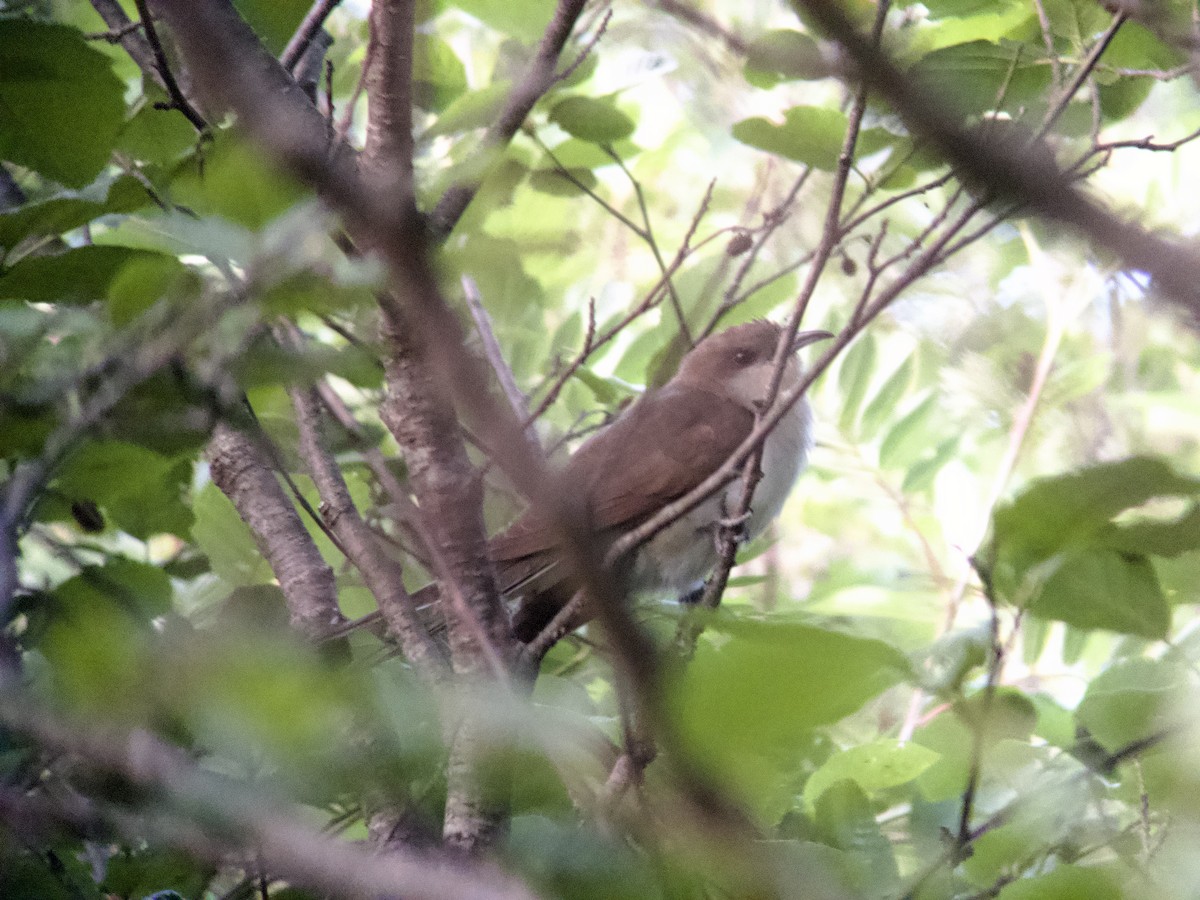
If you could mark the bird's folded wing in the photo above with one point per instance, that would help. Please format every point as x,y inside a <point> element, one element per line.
<point>657,451</point>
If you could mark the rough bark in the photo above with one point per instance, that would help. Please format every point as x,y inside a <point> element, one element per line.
<point>245,474</point>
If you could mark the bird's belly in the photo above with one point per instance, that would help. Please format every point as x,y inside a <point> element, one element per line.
<point>683,554</point>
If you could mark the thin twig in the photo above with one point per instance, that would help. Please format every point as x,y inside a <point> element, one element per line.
<point>178,100</point>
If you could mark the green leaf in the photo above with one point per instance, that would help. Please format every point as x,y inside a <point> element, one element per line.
<point>438,74</point>
<point>62,105</point>
<point>226,540</point>
<point>1066,882</point>
<point>809,134</point>
<point>1104,589</point>
<point>140,490</point>
<point>987,21</point>
<point>234,179</point>
<point>784,55</point>
<point>141,283</point>
<point>741,698</point>
<point>908,437</point>
<point>874,766</point>
<point>970,76</point>
<point>525,20</point>
<point>157,135</point>
<point>1132,700</point>
<point>1169,539</point>
<point>474,109</point>
<point>854,376</point>
<point>921,475</point>
<point>557,184</point>
<point>140,590</point>
<point>273,21</point>
<point>591,119</point>
<point>846,821</point>
<point>79,275</point>
<point>68,210</point>
<point>1071,509</point>
<point>885,401</point>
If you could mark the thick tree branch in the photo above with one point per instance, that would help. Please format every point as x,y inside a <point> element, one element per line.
<point>538,78</point>
<point>387,154</point>
<point>381,573</point>
<point>246,476</point>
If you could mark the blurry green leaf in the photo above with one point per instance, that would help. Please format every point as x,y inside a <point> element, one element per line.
<point>78,275</point>
<point>273,21</point>
<point>232,178</point>
<point>1066,883</point>
<point>568,860</point>
<point>873,766</point>
<point>525,20</point>
<point>971,75</point>
<point>157,135</point>
<point>908,437</point>
<point>55,90</point>
<point>140,490</point>
<point>142,591</point>
<point>576,154</point>
<point>854,376</point>
<point>1103,589</point>
<point>1132,700</point>
<point>972,22</point>
<point>846,821</point>
<point>226,540</point>
<point>809,134</point>
<point>592,119</point>
<point>1076,509</point>
<point>920,477</point>
<point>782,55</point>
<point>438,73</point>
<point>474,109</point>
<point>68,210</point>
<point>888,397</point>
<point>768,683</point>
<point>140,283</point>
<point>556,183</point>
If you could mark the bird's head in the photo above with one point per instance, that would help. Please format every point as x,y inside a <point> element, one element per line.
<point>737,363</point>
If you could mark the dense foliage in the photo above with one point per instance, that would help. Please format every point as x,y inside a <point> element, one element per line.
<point>963,663</point>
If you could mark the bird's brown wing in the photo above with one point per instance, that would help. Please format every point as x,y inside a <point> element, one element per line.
<point>658,450</point>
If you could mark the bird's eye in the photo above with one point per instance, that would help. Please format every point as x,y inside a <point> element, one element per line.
<point>741,357</point>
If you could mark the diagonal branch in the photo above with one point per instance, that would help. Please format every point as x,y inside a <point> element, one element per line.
<point>308,29</point>
<point>381,573</point>
<point>1013,170</point>
<point>244,473</point>
<point>539,77</point>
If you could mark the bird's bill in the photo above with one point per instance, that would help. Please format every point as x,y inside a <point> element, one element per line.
<point>804,338</point>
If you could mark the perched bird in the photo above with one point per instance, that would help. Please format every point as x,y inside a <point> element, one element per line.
<point>656,451</point>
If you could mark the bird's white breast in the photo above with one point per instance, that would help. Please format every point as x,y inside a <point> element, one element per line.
<point>684,553</point>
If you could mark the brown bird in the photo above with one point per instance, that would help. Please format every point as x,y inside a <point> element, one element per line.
<point>656,451</point>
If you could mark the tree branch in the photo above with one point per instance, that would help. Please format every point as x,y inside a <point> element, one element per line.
<point>220,816</point>
<point>382,574</point>
<point>246,476</point>
<point>1011,169</point>
<point>308,29</point>
<point>539,77</point>
<point>388,151</point>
